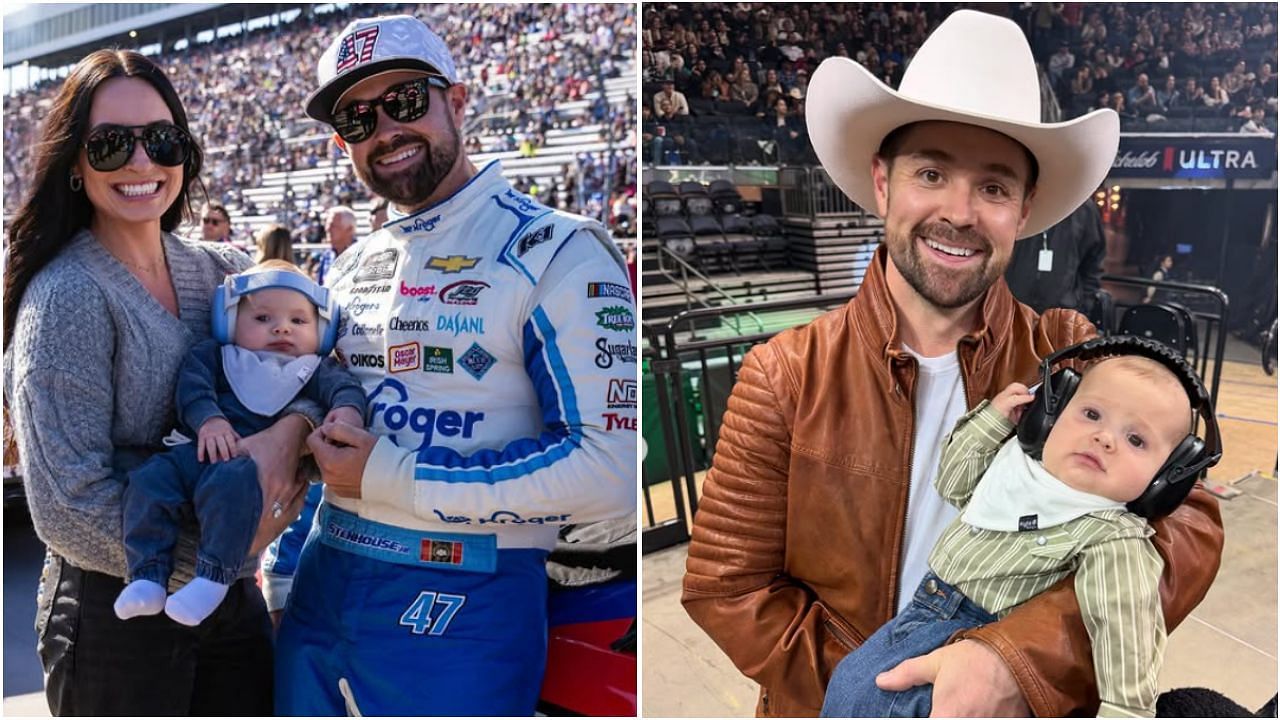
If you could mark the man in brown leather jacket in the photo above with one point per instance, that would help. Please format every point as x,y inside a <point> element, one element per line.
<point>819,506</point>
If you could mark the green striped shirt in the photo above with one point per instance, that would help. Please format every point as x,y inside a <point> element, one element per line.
<point>1117,570</point>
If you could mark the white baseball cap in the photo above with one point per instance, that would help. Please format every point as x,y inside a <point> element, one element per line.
<point>375,45</point>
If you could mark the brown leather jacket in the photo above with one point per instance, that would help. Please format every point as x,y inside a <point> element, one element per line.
<point>796,544</point>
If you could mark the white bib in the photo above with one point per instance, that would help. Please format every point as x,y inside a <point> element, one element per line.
<point>1017,493</point>
<point>266,381</point>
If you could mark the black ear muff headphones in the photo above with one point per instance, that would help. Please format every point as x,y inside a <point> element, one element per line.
<point>1175,478</point>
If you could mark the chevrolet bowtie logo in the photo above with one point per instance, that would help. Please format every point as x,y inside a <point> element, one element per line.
<point>452,264</point>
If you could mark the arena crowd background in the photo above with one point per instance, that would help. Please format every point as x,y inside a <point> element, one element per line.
<point>734,62</point>
<point>552,93</point>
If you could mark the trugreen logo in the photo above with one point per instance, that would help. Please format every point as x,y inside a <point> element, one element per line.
<point>616,317</point>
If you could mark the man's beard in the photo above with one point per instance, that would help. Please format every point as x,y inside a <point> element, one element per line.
<point>409,189</point>
<point>943,287</point>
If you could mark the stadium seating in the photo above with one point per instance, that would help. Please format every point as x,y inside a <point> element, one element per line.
<point>552,91</point>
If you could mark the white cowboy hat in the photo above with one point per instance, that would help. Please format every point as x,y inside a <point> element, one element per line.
<point>976,69</point>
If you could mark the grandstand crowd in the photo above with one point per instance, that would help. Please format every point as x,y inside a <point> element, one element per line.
<point>522,64</point>
<point>727,82</point>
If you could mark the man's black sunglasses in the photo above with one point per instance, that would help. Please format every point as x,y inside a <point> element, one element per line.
<point>110,146</point>
<point>404,103</point>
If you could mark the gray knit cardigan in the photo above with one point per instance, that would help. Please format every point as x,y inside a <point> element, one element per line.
<point>89,379</point>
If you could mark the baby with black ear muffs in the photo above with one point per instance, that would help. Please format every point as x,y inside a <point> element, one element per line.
<point>1095,457</point>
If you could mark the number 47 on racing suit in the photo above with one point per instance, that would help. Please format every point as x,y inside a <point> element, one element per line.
<point>495,338</point>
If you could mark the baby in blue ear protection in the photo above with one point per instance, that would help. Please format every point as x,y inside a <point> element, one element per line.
<point>273,329</point>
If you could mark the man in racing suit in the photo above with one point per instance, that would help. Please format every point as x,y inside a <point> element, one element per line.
<point>496,340</point>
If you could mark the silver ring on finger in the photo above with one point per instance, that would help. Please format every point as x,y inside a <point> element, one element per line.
<point>276,509</point>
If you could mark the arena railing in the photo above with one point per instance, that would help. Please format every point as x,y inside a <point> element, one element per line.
<point>1207,303</point>
<point>810,192</point>
<point>686,386</point>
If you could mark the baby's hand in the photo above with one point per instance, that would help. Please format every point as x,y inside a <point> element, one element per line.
<point>1012,401</point>
<point>217,441</point>
<point>345,414</point>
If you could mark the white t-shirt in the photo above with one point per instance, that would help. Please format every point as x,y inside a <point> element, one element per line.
<point>940,403</point>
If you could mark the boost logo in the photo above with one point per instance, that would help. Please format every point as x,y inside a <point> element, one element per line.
<point>421,292</point>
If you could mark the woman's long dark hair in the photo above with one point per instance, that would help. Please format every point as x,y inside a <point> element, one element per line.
<point>52,213</point>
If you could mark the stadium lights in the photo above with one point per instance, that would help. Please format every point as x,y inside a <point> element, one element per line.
<point>133,33</point>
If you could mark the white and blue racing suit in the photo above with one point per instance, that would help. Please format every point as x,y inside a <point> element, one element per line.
<point>496,340</point>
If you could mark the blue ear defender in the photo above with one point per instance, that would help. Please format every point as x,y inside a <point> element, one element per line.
<point>226,300</point>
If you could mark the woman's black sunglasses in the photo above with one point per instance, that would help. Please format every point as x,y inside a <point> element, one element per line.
<point>110,146</point>
<point>404,103</point>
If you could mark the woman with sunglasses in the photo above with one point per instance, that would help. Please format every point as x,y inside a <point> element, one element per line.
<point>101,303</point>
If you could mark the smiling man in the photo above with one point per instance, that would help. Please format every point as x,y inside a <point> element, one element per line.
<point>472,318</point>
<point>819,511</point>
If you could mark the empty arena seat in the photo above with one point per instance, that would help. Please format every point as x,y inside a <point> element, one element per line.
<point>705,225</point>
<point>1156,322</point>
<point>1103,312</point>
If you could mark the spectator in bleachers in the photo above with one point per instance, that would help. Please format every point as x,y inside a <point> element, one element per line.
<point>243,91</point>
<point>1267,84</point>
<point>1193,93</point>
<point>1142,97</point>
<point>1116,42</point>
<point>1117,103</point>
<point>215,223</point>
<point>340,232</point>
<point>274,243</point>
<point>743,90</point>
<point>1061,62</point>
<point>1233,82</point>
<point>101,302</point>
<point>670,103</point>
<point>1216,97</point>
<point>1168,96</point>
<point>1256,124</point>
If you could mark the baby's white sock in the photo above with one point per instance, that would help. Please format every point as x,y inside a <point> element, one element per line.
<point>140,597</point>
<point>196,601</point>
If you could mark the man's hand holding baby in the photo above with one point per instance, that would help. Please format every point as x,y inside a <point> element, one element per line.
<point>341,447</point>
<point>1012,401</point>
<point>216,441</point>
